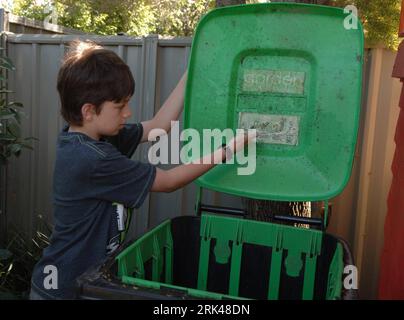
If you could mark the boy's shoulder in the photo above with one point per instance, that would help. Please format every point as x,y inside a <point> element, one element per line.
<point>79,144</point>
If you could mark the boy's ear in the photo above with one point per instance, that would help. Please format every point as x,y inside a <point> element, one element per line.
<point>87,111</point>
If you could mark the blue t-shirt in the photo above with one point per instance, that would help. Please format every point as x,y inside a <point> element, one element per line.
<point>89,177</point>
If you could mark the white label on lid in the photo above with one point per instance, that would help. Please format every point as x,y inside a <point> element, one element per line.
<point>273,129</point>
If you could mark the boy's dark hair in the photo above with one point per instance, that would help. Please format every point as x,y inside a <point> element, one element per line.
<point>91,74</point>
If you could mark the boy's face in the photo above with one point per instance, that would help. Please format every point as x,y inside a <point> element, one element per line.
<point>112,117</point>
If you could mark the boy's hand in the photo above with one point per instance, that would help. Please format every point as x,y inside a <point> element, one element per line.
<point>239,141</point>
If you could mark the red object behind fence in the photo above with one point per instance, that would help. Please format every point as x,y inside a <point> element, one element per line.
<point>391,279</point>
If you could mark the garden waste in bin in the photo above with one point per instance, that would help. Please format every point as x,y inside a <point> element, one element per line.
<point>293,72</point>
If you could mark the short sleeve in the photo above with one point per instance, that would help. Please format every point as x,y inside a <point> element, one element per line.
<point>128,139</point>
<point>119,179</point>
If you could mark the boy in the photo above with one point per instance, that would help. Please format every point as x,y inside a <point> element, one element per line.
<point>93,169</point>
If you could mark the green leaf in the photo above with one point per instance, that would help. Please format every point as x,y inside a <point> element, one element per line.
<point>7,117</point>
<point>27,146</point>
<point>7,64</point>
<point>8,61</point>
<point>15,104</point>
<point>31,138</point>
<point>6,113</point>
<point>16,114</point>
<point>15,148</point>
<point>13,128</point>
<point>7,137</point>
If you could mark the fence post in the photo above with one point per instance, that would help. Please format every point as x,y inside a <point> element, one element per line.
<point>4,23</point>
<point>3,168</point>
<point>147,101</point>
<point>2,16</point>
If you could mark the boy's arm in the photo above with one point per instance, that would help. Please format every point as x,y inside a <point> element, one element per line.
<point>173,179</point>
<point>170,110</point>
<point>176,178</point>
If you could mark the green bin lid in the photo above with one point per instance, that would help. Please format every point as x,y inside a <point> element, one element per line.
<point>294,72</point>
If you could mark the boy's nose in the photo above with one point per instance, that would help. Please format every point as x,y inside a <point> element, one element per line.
<point>127,113</point>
